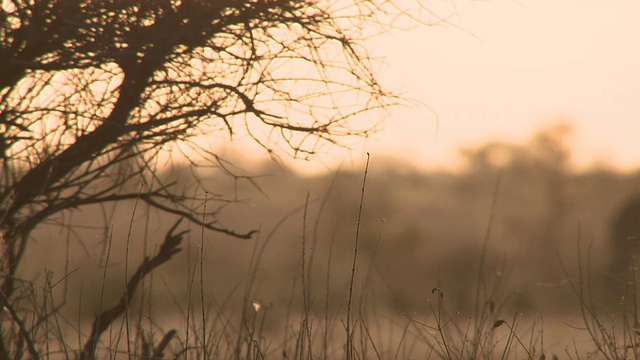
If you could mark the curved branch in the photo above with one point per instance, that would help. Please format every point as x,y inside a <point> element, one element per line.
<point>195,219</point>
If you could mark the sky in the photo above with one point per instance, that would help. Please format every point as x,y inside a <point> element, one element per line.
<point>520,67</point>
<point>502,70</point>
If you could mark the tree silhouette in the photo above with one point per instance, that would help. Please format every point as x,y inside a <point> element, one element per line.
<point>91,92</point>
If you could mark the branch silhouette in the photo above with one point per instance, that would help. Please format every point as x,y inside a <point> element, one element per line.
<point>169,247</point>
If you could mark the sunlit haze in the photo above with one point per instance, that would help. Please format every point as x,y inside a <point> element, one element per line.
<point>501,70</point>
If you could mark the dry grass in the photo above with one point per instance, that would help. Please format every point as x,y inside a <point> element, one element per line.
<point>337,320</point>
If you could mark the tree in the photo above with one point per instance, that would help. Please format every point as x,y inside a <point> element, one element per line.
<point>91,92</point>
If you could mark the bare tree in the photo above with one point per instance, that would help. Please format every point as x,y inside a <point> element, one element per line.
<point>89,87</point>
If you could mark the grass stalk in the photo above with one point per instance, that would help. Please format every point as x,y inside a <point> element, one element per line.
<point>349,348</point>
<point>205,354</point>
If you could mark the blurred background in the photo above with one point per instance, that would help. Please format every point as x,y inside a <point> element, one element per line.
<point>420,229</point>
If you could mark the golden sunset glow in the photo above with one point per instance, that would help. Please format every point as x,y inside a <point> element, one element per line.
<point>504,70</point>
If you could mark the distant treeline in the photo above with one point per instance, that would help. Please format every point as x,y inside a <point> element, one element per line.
<point>521,203</point>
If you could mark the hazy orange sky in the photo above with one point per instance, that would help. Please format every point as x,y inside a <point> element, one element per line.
<point>515,67</point>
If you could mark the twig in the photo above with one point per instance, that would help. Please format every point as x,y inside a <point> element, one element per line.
<point>194,219</point>
<point>23,329</point>
<point>158,353</point>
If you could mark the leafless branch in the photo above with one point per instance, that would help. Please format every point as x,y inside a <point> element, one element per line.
<point>24,332</point>
<point>169,247</point>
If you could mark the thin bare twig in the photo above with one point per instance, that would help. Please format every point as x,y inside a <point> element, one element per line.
<point>24,332</point>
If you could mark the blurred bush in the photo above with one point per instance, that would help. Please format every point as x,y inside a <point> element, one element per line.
<point>419,230</point>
